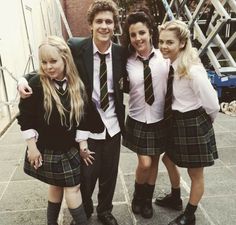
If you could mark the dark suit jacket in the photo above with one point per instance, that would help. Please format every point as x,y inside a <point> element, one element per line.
<point>82,51</point>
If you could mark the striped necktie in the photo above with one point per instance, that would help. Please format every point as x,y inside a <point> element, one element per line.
<point>60,85</point>
<point>169,94</point>
<point>148,87</point>
<point>104,101</point>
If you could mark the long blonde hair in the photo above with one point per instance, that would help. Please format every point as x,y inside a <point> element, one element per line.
<point>188,55</point>
<point>75,86</point>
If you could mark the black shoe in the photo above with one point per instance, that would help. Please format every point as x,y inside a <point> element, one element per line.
<point>147,210</point>
<point>107,219</point>
<point>169,202</point>
<point>183,220</point>
<point>137,205</point>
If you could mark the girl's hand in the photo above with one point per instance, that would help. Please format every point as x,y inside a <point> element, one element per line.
<point>34,157</point>
<point>86,155</point>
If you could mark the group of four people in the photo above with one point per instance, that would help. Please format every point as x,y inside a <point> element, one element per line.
<point>72,109</point>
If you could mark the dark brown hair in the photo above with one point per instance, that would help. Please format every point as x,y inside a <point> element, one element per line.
<point>142,15</point>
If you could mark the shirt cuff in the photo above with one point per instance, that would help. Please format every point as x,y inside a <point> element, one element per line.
<point>21,81</point>
<point>81,135</point>
<point>31,133</point>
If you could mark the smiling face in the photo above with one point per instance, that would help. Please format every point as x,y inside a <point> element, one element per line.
<point>102,28</point>
<point>140,38</point>
<point>51,62</point>
<point>169,45</point>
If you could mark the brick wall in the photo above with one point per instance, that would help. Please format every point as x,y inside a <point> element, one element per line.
<point>76,14</point>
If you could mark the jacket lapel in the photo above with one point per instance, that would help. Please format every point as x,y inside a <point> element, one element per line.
<point>116,68</point>
<point>87,57</point>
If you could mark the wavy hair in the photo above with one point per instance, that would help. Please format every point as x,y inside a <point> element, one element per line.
<point>76,89</point>
<point>187,55</point>
<point>139,14</point>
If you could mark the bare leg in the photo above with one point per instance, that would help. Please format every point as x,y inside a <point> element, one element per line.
<point>197,185</point>
<point>172,200</point>
<point>55,194</point>
<point>173,171</point>
<point>142,170</point>
<point>73,196</point>
<point>153,171</point>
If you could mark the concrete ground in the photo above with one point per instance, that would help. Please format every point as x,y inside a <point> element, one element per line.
<point>23,199</point>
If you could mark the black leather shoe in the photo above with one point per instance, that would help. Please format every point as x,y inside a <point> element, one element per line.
<point>183,220</point>
<point>107,219</point>
<point>169,202</point>
<point>147,210</point>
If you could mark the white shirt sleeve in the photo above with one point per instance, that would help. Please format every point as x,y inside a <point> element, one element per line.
<point>81,135</point>
<point>28,134</point>
<point>22,80</point>
<point>204,90</point>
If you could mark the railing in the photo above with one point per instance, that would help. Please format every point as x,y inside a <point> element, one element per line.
<point>7,116</point>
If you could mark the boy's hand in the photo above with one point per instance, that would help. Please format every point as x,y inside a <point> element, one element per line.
<point>25,90</point>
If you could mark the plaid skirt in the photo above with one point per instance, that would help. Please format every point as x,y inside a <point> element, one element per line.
<point>193,141</point>
<point>145,139</point>
<point>59,169</point>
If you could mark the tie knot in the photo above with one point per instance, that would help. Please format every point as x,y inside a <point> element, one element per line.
<point>171,71</point>
<point>60,82</point>
<point>146,61</point>
<point>102,56</point>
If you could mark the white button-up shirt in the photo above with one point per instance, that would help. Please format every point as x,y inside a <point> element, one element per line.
<point>109,117</point>
<point>194,92</point>
<point>138,108</point>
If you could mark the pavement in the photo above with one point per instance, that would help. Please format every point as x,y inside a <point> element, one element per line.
<point>23,200</point>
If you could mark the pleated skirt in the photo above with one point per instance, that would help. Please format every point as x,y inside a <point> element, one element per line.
<point>59,169</point>
<point>192,141</point>
<point>145,139</point>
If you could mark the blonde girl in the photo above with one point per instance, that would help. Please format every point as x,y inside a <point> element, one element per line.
<point>194,109</point>
<point>49,119</point>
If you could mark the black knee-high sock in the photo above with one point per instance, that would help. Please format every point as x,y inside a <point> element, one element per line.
<point>53,212</point>
<point>175,192</point>
<point>149,190</point>
<point>79,215</point>
<point>139,190</point>
<point>190,210</point>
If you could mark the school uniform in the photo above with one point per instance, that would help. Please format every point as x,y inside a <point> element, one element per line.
<point>105,142</point>
<point>195,106</point>
<point>145,128</point>
<point>56,142</point>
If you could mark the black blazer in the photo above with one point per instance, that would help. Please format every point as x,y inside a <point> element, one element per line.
<point>82,51</point>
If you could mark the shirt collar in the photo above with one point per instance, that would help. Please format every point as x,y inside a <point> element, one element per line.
<point>175,64</point>
<point>64,78</point>
<point>137,55</point>
<point>95,49</point>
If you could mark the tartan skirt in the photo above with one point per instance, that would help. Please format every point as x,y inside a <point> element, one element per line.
<point>193,141</point>
<point>145,139</point>
<point>60,169</point>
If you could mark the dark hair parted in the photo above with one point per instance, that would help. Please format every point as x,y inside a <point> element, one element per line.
<point>100,6</point>
<point>142,15</point>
